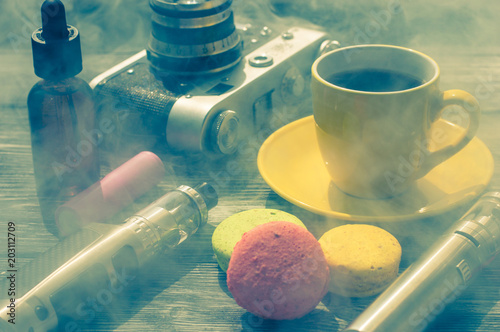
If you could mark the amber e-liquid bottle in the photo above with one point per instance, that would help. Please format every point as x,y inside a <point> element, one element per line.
<point>61,114</point>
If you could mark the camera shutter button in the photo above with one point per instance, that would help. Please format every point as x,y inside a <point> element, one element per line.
<point>224,132</point>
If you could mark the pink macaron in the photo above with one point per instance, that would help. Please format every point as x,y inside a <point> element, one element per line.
<point>278,271</point>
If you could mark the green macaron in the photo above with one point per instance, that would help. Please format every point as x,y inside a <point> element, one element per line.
<point>230,231</point>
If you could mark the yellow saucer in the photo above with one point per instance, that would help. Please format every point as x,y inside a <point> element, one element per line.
<point>291,164</point>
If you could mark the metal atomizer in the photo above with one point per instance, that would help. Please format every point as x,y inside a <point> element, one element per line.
<point>204,84</point>
<point>55,291</point>
<point>421,293</point>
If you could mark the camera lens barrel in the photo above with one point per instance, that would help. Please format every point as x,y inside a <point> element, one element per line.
<point>192,37</point>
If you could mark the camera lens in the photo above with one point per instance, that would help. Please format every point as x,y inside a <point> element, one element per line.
<point>192,37</point>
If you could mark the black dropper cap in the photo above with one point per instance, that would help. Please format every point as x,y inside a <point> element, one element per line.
<point>56,46</point>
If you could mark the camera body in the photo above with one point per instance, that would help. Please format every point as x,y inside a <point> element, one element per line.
<point>211,114</point>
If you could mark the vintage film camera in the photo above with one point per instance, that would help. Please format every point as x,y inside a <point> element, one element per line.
<point>203,84</point>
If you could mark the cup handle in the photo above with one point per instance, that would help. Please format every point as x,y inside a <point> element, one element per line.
<point>471,106</point>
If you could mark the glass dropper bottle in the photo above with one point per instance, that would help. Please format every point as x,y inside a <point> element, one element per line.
<point>62,115</point>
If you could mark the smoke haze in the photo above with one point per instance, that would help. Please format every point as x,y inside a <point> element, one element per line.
<point>444,29</point>
<point>124,24</point>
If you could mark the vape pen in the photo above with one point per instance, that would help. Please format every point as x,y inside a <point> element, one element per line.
<point>440,275</point>
<point>91,268</point>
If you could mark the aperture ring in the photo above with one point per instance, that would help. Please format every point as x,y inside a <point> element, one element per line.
<point>186,51</point>
<point>195,22</point>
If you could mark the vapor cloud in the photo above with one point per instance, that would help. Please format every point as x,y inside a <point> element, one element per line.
<point>104,25</point>
<point>125,24</point>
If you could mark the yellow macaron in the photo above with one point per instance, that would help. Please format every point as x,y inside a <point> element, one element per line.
<point>363,259</point>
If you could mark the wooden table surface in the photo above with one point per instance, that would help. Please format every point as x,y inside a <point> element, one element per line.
<point>185,290</point>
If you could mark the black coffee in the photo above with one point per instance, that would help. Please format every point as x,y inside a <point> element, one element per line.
<point>374,80</point>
